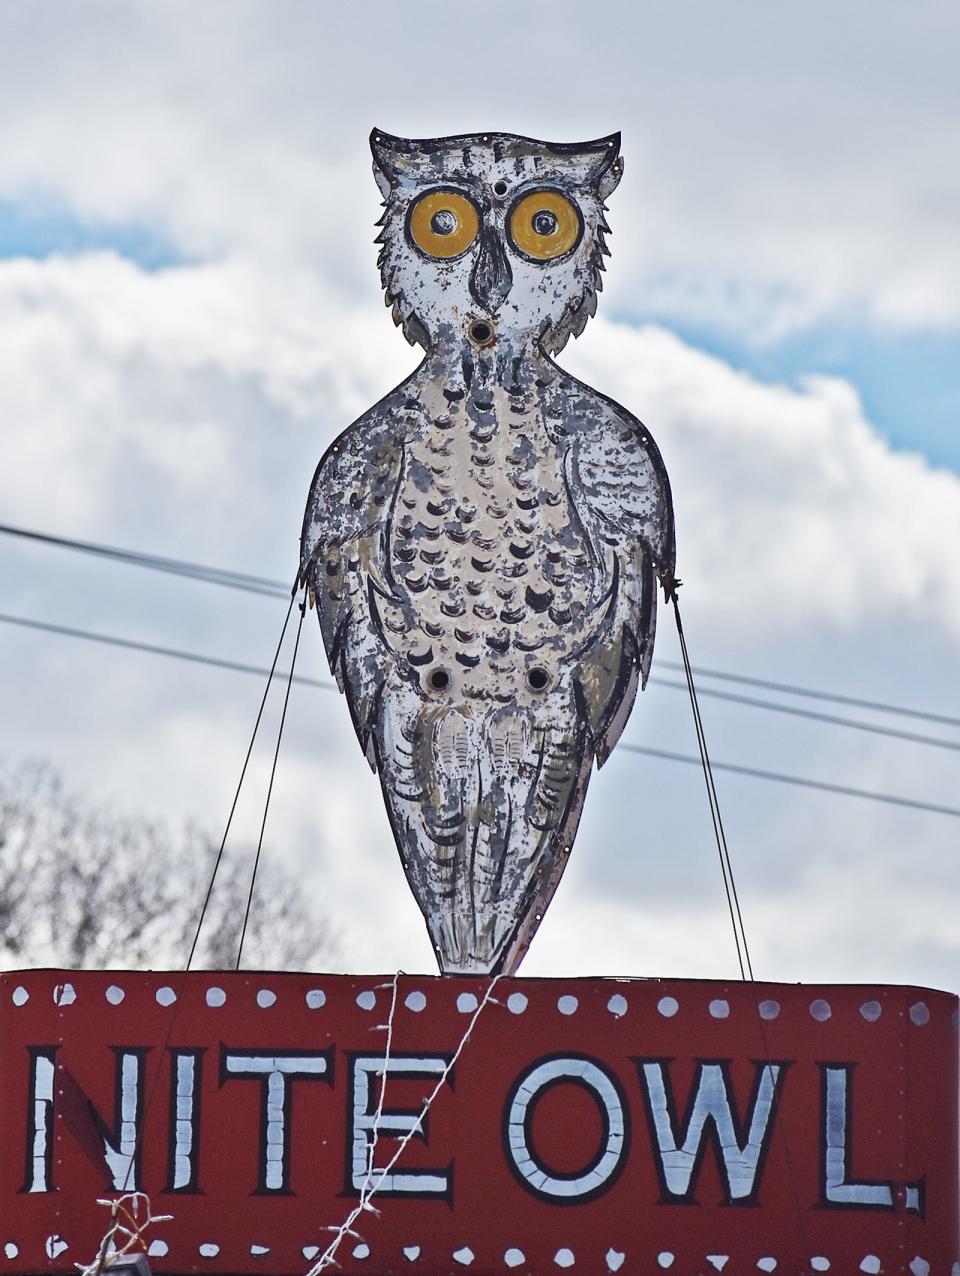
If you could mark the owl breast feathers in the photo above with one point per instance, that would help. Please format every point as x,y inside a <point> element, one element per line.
<point>484,544</point>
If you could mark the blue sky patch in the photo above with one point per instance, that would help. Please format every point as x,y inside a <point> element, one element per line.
<point>909,383</point>
<point>43,229</point>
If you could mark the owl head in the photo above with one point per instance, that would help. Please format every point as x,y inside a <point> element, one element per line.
<point>491,237</point>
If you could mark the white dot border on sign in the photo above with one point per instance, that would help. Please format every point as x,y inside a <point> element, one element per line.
<point>514,1257</point>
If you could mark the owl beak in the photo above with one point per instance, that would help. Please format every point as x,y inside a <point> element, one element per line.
<point>492,278</point>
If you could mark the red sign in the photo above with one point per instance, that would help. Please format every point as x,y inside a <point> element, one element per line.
<point>589,1125</point>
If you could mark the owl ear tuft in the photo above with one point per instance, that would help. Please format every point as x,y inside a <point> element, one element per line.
<point>610,179</point>
<point>608,170</point>
<point>388,154</point>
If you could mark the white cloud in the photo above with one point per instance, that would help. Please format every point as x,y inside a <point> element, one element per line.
<point>783,166</point>
<point>791,509</point>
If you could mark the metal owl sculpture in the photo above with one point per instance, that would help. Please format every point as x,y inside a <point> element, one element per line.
<point>484,543</point>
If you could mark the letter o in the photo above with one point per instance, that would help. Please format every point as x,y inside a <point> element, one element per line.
<point>602,1172</point>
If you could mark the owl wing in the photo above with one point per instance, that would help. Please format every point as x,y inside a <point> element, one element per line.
<point>344,556</point>
<point>618,484</point>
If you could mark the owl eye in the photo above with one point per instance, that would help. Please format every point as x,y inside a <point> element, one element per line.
<point>443,223</point>
<point>545,225</point>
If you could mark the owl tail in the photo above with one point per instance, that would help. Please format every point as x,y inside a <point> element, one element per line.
<point>484,804</point>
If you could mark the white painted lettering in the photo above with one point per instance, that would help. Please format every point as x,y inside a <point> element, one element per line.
<point>601,1171</point>
<point>711,1112</point>
<point>276,1073</point>
<point>366,1129</point>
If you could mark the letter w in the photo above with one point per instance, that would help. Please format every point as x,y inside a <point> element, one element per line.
<point>711,1116</point>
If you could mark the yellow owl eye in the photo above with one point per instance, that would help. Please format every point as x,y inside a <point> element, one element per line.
<point>443,223</point>
<point>545,224</point>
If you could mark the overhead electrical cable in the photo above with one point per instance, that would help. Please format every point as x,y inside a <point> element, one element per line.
<point>780,777</point>
<point>910,737</point>
<point>270,588</point>
<point>153,649</point>
<point>832,719</point>
<point>835,697</point>
<point>325,684</point>
<point>153,562</point>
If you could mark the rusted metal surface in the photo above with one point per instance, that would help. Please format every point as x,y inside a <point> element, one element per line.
<point>484,543</point>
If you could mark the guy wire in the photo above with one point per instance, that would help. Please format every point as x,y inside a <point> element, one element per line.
<point>151,1093</point>
<point>273,772</point>
<point>736,916</point>
<point>726,867</point>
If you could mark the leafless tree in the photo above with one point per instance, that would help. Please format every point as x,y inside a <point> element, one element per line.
<point>81,886</point>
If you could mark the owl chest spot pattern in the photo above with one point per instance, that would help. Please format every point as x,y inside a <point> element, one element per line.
<point>494,573</point>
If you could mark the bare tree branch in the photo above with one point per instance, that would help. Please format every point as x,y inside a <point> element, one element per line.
<point>83,887</point>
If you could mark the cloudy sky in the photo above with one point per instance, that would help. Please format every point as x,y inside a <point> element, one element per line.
<point>189,312</point>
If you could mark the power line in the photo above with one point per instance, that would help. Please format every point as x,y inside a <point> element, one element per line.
<point>780,777</point>
<point>322,684</point>
<point>832,719</point>
<point>154,649</point>
<point>789,688</point>
<point>153,562</point>
<point>268,587</point>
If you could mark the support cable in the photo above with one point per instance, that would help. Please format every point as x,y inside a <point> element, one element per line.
<point>723,851</point>
<point>151,1094</point>
<point>733,906</point>
<point>273,772</point>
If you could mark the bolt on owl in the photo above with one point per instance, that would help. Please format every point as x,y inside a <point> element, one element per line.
<point>484,544</point>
